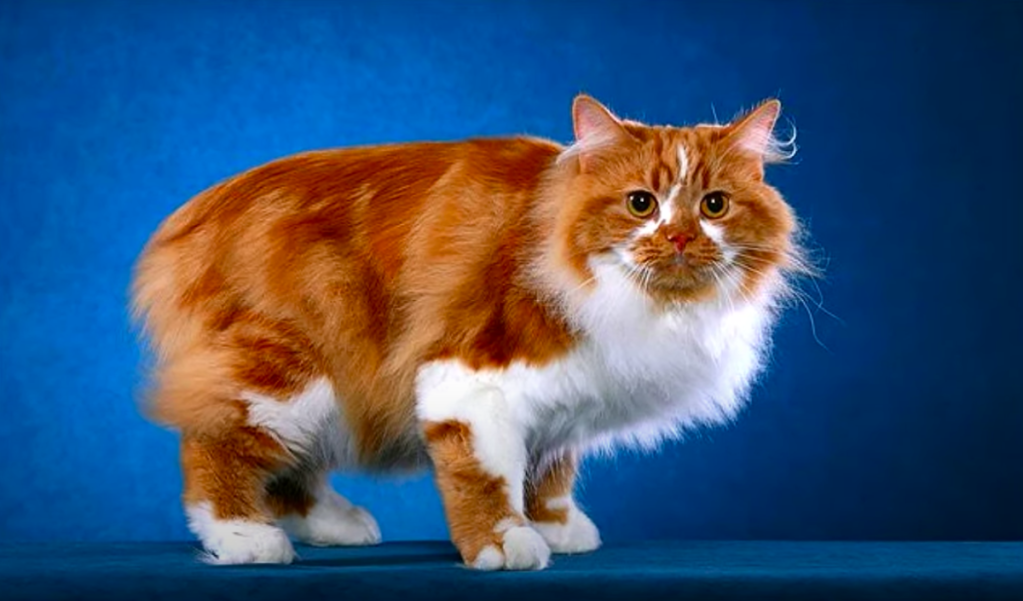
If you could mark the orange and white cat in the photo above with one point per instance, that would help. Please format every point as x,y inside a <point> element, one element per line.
<point>493,308</point>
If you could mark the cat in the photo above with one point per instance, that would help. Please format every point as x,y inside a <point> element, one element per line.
<point>492,309</point>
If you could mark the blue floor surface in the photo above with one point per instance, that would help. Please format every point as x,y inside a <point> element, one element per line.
<point>430,570</point>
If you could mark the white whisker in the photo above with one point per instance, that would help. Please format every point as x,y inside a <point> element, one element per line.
<point>799,295</point>
<point>813,324</point>
<point>716,270</point>
<point>803,269</point>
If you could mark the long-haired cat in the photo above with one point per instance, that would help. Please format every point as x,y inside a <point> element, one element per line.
<point>491,308</point>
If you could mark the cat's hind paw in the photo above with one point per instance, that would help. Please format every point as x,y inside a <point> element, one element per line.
<point>254,543</point>
<point>578,534</point>
<point>237,541</point>
<point>334,522</point>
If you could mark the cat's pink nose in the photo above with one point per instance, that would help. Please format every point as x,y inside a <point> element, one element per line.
<point>679,239</point>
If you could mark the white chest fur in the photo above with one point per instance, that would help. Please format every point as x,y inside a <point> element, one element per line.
<point>640,375</point>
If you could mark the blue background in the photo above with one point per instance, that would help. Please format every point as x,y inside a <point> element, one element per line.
<point>909,424</point>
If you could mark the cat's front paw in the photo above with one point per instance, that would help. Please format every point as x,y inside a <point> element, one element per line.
<point>522,548</point>
<point>578,534</point>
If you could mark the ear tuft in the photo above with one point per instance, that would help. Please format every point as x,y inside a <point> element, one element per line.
<point>755,133</point>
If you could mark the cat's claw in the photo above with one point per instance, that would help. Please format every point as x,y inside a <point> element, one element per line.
<point>522,548</point>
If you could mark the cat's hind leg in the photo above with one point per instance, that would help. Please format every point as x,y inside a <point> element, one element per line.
<point>224,482</point>
<point>312,512</point>
<point>248,405</point>
<point>551,507</point>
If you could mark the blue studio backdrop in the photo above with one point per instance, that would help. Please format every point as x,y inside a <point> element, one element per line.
<point>899,418</point>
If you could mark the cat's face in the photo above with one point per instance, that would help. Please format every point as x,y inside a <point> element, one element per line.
<point>684,212</point>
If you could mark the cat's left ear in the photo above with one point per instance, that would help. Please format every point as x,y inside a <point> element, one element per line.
<point>754,132</point>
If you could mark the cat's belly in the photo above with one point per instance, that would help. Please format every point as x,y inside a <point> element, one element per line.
<point>313,427</point>
<point>309,424</point>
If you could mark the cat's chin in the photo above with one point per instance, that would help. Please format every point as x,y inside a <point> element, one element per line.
<point>680,283</point>
<point>682,293</point>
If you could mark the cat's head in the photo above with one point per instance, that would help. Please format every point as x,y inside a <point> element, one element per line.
<point>684,212</point>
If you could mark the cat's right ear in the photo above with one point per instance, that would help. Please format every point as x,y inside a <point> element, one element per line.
<point>595,126</point>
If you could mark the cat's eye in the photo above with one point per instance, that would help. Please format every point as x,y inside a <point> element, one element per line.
<point>641,203</point>
<point>714,205</point>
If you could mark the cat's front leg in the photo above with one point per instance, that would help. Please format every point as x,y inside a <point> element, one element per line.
<point>551,507</point>
<point>479,459</point>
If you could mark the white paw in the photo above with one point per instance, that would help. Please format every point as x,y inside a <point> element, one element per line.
<point>238,541</point>
<point>333,521</point>
<point>578,535</point>
<point>522,548</point>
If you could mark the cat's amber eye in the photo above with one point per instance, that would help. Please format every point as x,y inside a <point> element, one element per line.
<point>641,203</point>
<point>714,205</point>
